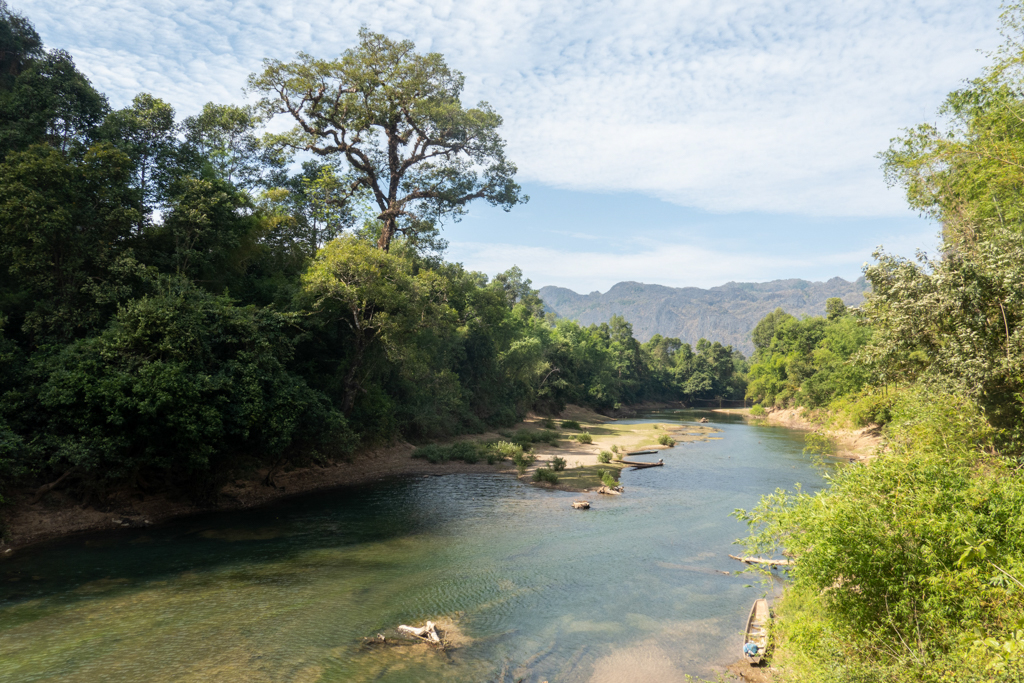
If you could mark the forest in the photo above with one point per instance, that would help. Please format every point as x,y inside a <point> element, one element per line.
<point>911,567</point>
<point>183,300</point>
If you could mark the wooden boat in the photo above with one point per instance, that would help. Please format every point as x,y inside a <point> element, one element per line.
<point>756,633</point>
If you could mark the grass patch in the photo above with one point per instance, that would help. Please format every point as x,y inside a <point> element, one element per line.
<point>547,423</point>
<point>587,477</point>
<point>570,424</point>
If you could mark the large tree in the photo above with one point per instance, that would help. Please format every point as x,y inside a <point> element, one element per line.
<point>396,118</point>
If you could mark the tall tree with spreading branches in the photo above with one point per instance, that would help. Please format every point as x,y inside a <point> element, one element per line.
<point>396,118</point>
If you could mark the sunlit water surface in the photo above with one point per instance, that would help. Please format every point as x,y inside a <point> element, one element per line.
<point>629,590</point>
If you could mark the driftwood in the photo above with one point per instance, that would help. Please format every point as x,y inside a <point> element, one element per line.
<point>581,504</point>
<point>640,452</point>
<point>761,560</point>
<point>611,491</point>
<point>641,465</point>
<point>427,633</point>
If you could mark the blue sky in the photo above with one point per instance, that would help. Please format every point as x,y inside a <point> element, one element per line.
<point>682,142</point>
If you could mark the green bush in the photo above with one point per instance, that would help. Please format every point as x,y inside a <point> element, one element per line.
<point>927,534</point>
<point>558,464</point>
<point>615,449</point>
<point>528,437</point>
<point>757,410</point>
<point>547,423</point>
<point>604,457</point>
<point>502,450</point>
<point>466,451</point>
<point>570,424</point>
<point>607,479</point>
<point>666,440</point>
<point>522,461</point>
<point>544,474</point>
<point>618,456</point>
<point>585,438</point>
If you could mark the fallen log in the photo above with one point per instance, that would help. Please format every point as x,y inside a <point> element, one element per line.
<point>761,560</point>
<point>641,465</point>
<point>427,633</point>
<point>640,452</point>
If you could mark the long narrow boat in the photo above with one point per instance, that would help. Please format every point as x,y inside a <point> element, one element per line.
<point>755,638</point>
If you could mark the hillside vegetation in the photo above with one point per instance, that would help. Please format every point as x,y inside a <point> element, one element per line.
<point>911,568</point>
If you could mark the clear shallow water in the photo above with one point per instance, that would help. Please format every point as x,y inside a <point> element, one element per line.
<point>625,591</point>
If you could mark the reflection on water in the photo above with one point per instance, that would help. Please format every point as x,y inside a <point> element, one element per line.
<point>629,590</point>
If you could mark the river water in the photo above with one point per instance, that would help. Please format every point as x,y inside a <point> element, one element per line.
<point>534,590</point>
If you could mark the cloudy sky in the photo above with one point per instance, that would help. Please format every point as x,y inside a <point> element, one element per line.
<point>678,142</point>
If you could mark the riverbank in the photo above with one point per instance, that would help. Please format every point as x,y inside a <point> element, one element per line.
<point>57,514</point>
<point>857,444</point>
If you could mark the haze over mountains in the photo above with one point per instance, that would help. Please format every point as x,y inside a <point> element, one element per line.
<point>726,314</point>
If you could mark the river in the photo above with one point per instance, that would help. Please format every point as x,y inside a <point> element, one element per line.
<point>629,590</point>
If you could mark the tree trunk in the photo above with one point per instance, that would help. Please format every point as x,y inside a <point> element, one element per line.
<point>384,243</point>
<point>46,488</point>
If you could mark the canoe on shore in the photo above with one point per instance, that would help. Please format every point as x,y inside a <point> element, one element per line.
<point>755,638</point>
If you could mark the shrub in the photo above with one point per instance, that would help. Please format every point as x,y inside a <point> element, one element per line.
<point>502,450</point>
<point>757,410</point>
<point>615,449</point>
<point>618,456</point>
<point>570,424</point>
<point>547,423</point>
<point>558,464</point>
<point>522,461</point>
<point>544,474</point>
<point>607,479</point>
<point>528,437</point>
<point>604,457</point>
<point>585,438</point>
<point>666,440</point>
<point>436,453</point>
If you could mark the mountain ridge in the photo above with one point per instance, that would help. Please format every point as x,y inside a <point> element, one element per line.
<point>726,313</point>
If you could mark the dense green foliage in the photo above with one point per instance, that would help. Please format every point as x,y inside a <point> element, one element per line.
<point>183,301</point>
<point>807,362</point>
<point>911,568</point>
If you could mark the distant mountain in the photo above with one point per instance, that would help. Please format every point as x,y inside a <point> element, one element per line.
<point>726,314</point>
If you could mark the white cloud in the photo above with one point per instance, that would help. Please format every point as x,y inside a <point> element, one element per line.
<point>762,105</point>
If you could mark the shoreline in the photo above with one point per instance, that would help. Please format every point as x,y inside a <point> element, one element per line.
<point>57,515</point>
<point>856,444</point>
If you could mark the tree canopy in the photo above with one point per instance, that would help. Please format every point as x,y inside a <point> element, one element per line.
<point>396,119</point>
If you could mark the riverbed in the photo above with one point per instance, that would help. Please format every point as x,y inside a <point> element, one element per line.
<point>529,588</point>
